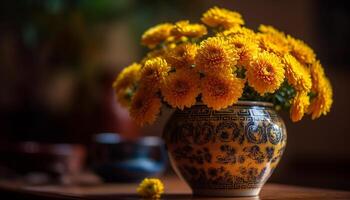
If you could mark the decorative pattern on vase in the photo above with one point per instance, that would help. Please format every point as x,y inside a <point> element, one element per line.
<point>235,148</point>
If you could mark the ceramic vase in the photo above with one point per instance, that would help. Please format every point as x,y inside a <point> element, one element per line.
<point>231,152</point>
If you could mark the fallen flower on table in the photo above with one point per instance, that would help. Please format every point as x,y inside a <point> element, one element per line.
<point>151,188</point>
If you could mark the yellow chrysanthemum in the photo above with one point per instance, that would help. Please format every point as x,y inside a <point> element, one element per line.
<point>154,72</point>
<point>172,41</point>
<point>151,188</point>
<point>272,44</point>
<point>182,56</point>
<point>216,55</point>
<point>153,54</point>
<point>237,31</point>
<point>265,73</point>
<point>156,34</point>
<point>301,51</point>
<point>246,49</point>
<point>300,105</point>
<point>181,88</point>
<point>221,90</point>
<point>272,40</point>
<point>317,76</point>
<point>322,102</point>
<point>125,83</point>
<point>270,30</point>
<point>184,28</point>
<point>222,17</point>
<point>144,107</point>
<point>297,74</point>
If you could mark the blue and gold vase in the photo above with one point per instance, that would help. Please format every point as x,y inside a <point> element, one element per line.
<point>231,152</point>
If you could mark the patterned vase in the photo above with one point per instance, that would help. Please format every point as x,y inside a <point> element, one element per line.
<point>231,152</point>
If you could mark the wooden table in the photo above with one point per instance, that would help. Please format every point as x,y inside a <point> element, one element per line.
<point>174,189</point>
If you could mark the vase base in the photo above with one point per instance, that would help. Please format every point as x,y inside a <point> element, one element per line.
<point>227,192</point>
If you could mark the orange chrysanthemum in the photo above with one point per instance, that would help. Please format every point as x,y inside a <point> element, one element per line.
<point>301,51</point>
<point>322,103</point>
<point>270,30</point>
<point>317,76</point>
<point>184,28</point>
<point>145,107</point>
<point>322,88</point>
<point>157,34</point>
<point>153,54</point>
<point>246,49</point>
<point>300,105</point>
<point>265,73</point>
<point>216,55</point>
<point>181,88</point>
<point>153,73</point>
<point>182,56</point>
<point>272,44</point>
<point>237,31</point>
<point>297,74</point>
<point>126,82</point>
<point>221,90</point>
<point>222,17</point>
<point>272,40</point>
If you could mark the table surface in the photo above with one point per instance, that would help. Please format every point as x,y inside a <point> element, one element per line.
<point>174,189</point>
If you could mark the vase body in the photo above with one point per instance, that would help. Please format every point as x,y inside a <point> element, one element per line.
<point>231,152</point>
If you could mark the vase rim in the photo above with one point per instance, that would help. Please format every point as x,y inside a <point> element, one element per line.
<point>248,103</point>
<point>255,103</point>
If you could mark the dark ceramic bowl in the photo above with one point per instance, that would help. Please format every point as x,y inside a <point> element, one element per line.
<point>119,160</point>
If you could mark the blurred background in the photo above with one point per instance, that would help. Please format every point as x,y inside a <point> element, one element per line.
<point>58,59</point>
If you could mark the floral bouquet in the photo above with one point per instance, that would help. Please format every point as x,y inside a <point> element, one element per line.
<point>219,63</point>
